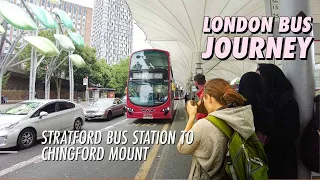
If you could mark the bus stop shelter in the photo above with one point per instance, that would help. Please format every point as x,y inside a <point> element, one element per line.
<point>97,93</point>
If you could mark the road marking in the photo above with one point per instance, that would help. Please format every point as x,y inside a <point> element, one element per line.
<point>8,152</point>
<point>141,124</point>
<point>165,149</point>
<point>19,165</point>
<point>109,127</point>
<point>175,108</point>
<point>144,169</point>
<point>38,158</point>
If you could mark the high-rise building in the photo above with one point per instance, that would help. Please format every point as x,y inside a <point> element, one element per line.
<point>111,33</point>
<point>81,16</point>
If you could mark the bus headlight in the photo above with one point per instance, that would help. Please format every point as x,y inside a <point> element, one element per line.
<point>166,109</point>
<point>130,110</point>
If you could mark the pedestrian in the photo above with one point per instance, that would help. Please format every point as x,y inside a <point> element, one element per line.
<point>210,145</point>
<point>251,88</point>
<point>281,149</point>
<point>199,82</point>
<point>186,99</point>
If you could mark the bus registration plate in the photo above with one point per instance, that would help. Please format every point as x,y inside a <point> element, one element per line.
<point>147,116</point>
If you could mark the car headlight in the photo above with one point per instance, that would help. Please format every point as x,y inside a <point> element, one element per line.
<point>8,126</point>
<point>101,110</point>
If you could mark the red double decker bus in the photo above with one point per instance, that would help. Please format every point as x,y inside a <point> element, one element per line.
<point>150,88</point>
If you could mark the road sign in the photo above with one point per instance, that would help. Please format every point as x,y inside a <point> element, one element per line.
<point>85,81</point>
<point>301,14</point>
<point>275,9</point>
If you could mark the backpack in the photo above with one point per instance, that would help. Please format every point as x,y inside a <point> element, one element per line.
<point>310,152</point>
<point>245,159</point>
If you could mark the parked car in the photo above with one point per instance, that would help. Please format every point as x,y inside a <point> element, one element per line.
<point>22,124</point>
<point>105,108</point>
<point>124,101</point>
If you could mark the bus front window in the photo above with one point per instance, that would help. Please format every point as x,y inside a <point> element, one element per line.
<point>149,59</point>
<point>148,93</point>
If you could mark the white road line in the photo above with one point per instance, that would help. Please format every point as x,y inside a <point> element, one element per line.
<point>175,108</point>
<point>109,127</point>
<point>38,158</point>
<point>8,152</point>
<point>165,149</point>
<point>19,165</point>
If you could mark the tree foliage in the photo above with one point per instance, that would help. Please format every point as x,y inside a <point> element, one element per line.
<point>98,72</point>
<point>5,79</point>
<point>119,76</point>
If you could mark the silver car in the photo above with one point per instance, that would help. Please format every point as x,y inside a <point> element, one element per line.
<point>105,109</point>
<point>22,124</point>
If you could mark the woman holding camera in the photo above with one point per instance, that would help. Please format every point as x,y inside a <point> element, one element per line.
<point>209,146</point>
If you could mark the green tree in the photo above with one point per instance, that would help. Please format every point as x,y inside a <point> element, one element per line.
<point>5,79</point>
<point>98,72</point>
<point>119,76</point>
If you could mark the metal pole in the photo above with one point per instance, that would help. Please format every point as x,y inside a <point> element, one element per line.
<point>2,69</point>
<point>33,64</point>
<point>71,79</point>
<point>300,73</point>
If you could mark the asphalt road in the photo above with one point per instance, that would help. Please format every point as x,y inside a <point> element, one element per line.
<point>163,161</point>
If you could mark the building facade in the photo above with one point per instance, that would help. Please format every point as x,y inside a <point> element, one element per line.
<point>111,33</point>
<point>81,16</point>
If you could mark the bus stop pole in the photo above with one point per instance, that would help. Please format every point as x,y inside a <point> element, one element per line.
<point>300,72</point>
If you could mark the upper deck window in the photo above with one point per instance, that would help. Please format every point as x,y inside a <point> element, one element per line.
<point>149,59</point>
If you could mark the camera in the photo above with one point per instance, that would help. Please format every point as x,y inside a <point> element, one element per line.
<point>200,108</point>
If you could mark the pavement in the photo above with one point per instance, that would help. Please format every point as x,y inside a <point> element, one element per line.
<point>163,161</point>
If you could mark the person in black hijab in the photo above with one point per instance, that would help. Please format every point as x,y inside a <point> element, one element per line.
<point>281,150</point>
<point>251,88</point>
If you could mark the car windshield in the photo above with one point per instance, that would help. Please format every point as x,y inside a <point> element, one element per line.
<point>23,108</point>
<point>103,102</point>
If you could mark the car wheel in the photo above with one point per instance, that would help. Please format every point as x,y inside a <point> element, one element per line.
<point>109,116</point>
<point>27,138</point>
<point>77,125</point>
<point>123,111</point>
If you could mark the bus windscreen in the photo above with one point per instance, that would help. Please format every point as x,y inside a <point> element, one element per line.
<point>148,94</point>
<point>149,59</point>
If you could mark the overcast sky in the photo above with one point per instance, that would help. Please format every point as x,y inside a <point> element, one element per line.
<point>138,35</point>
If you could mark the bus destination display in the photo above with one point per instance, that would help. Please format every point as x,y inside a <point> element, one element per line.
<point>147,75</point>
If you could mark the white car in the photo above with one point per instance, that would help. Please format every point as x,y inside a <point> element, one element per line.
<point>22,124</point>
